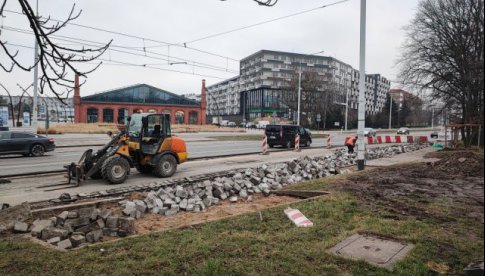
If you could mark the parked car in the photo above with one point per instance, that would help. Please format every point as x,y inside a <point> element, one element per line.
<point>262,124</point>
<point>403,131</point>
<point>284,135</point>
<point>250,125</point>
<point>25,143</point>
<point>369,132</point>
<point>231,124</point>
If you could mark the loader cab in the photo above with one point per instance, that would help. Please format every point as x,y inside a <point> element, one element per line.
<point>150,130</point>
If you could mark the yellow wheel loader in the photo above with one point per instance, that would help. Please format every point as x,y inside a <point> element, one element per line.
<point>145,142</point>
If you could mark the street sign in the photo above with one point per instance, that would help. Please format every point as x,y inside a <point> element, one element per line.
<point>319,118</point>
<point>337,124</point>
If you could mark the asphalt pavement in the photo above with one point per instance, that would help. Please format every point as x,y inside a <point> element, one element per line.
<point>199,145</point>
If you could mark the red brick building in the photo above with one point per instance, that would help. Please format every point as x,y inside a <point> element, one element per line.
<point>111,106</point>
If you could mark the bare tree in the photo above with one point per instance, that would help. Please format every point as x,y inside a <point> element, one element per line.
<point>57,63</point>
<point>443,54</point>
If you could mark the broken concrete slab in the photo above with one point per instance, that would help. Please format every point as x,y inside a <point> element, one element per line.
<point>52,232</point>
<point>9,216</point>
<point>54,241</point>
<point>40,225</point>
<point>21,227</point>
<point>377,251</point>
<point>94,236</point>
<point>65,244</point>
<point>77,240</point>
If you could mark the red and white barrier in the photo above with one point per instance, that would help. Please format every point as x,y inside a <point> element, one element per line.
<point>297,142</point>
<point>396,139</point>
<point>298,218</point>
<point>265,146</point>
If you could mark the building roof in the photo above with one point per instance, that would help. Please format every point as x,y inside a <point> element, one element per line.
<point>140,94</point>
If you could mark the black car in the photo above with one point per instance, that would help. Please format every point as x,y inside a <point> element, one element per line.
<point>284,135</point>
<point>25,143</point>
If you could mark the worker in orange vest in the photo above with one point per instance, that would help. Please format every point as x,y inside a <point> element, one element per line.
<point>350,143</point>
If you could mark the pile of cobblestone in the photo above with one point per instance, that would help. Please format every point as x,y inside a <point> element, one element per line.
<point>245,184</point>
<point>71,229</point>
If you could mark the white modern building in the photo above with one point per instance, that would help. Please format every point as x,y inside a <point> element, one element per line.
<point>268,84</point>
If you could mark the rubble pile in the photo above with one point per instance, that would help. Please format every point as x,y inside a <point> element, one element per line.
<point>243,185</point>
<point>71,229</point>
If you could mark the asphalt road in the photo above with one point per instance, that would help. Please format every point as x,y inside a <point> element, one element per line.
<point>199,146</point>
<point>17,164</point>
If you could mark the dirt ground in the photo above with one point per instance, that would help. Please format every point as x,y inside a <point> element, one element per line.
<point>153,222</point>
<point>445,190</point>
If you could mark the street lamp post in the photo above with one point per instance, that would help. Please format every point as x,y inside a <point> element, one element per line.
<point>390,112</point>
<point>361,110</point>
<point>299,95</point>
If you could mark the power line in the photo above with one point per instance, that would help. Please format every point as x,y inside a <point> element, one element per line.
<point>166,44</point>
<point>116,62</point>
<point>95,44</point>
<point>264,22</point>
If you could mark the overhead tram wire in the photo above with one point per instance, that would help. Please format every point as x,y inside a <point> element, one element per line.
<point>166,44</point>
<point>94,43</point>
<point>264,22</point>
<point>116,62</point>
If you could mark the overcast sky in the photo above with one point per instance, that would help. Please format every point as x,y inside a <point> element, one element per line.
<point>334,30</point>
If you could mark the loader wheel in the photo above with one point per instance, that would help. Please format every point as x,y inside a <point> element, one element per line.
<point>166,167</point>
<point>144,169</point>
<point>115,169</point>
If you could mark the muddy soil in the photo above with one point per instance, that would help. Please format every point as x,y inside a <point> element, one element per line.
<point>444,190</point>
<point>154,222</point>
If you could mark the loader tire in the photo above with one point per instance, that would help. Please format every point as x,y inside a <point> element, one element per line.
<point>115,169</point>
<point>166,166</point>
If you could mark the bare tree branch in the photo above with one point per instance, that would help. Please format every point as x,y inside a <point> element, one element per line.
<point>268,3</point>
<point>57,64</point>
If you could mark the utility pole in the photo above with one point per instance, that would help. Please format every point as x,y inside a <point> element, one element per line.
<point>299,95</point>
<point>432,118</point>
<point>390,112</point>
<point>346,104</point>
<point>361,111</point>
<point>36,77</point>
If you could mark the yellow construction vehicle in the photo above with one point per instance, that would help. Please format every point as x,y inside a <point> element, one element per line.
<point>145,142</point>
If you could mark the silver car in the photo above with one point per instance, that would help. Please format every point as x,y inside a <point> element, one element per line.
<point>369,132</point>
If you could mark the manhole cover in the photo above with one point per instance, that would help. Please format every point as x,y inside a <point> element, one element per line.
<point>372,249</point>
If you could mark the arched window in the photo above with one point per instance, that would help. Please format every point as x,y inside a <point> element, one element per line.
<point>122,115</point>
<point>179,117</point>
<point>152,110</point>
<point>193,118</point>
<point>108,116</point>
<point>92,115</point>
